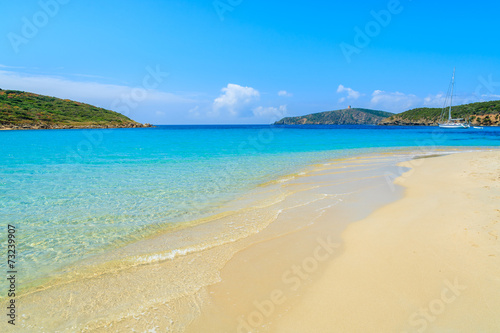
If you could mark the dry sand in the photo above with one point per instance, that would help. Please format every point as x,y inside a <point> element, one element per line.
<point>429,262</point>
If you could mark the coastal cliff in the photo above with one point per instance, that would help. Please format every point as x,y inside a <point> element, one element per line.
<point>24,110</point>
<point>354,116</point>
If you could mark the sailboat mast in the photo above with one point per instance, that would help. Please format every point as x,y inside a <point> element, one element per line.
<point>451,97</point>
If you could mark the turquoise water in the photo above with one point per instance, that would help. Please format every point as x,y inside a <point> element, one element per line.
<point>74,193</point>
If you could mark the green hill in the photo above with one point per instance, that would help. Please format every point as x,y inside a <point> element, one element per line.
<point>355,116</point>
<point>24,110</point>
<point>481,113</point>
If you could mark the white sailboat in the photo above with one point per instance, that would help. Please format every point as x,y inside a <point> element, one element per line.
<point>451,122</point>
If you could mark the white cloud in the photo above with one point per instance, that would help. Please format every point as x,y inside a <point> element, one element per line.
<point>394,101</point>
<point>440,100</point>
<point>400,102</point>
<point>5,66</point>
<point>89,92</point>
<point>284,93</point>
<point>435,100</point>
<point>351,93</point>
<point>271,111</point>
<point>236,100</point>
<point>194,112</point>
<point>474,98</point>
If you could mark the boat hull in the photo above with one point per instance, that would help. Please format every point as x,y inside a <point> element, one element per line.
<point>456,126</point>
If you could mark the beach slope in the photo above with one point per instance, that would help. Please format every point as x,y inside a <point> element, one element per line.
<point>429,262</point>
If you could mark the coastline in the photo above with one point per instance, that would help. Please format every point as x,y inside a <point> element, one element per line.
<point>427,262</point>
<point>11,127</point>
<point>171,271</point>
<point>181,287</point>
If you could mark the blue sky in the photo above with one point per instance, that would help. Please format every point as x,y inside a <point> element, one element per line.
<point>249,61</point>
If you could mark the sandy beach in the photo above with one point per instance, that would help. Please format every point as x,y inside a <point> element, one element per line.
<point>429,262</point>
<point>361,244</point>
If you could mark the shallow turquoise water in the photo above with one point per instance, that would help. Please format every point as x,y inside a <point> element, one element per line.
<point>74,193</point>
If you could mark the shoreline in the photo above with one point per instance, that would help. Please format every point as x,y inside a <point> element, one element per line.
<point>227,209</point>
<point>175,268</point>
<point>299,197</point>
<point>55,127</point>
<point>431,260</point>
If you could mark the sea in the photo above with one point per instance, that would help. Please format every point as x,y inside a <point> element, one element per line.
<point>75,194</point>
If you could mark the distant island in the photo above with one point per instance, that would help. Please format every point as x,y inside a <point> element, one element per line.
<point>349,116</point>
<point>24,110</point>
<point>478,114</point>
